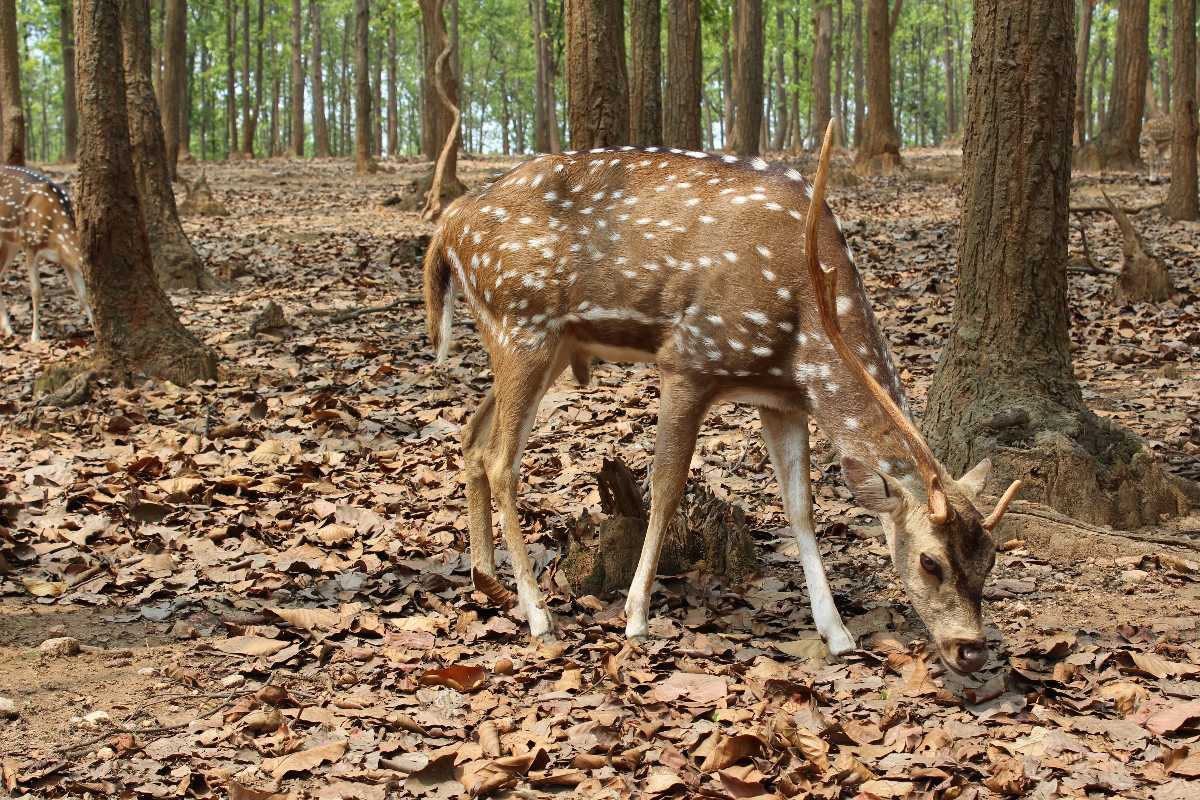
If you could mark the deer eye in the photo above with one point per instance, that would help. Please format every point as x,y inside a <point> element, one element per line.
<point>931,566</point>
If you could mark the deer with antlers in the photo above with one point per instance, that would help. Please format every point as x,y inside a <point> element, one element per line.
<point>37,220</point>
<point>697,262</point>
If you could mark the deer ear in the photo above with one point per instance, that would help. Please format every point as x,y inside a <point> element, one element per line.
<point>875,491</point>
<point>973,480</point>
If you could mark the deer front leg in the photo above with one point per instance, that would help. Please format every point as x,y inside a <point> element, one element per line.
<point>35,295</point>
<point>681,410</point>
<point>7,254</point>
<point>787,443</point>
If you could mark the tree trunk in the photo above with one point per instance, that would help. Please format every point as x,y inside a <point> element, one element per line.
<point>1119,139</point>
<point>681,120</point>
<point>249,104</point>
<point>137,330</point>
<point>363,163</point>
<point>1082,40</point>
<point>1004,387</point>
<point>645,58</point>
<point>748,78</point>
<point>858,73</point>
<point>10,87</point>
<point>948,65</point>
<point>880,150</point>
<point>597,87</point>
<point>297,80</point>
<point>230,81</point>
<point>320,125</point>
<point>1181,197</point>
<point>545,123</point>
<point>1164,65</point>
<point>727,107</point>
<point>176,262</point>
<point>70,110</point>
<point>822,53</point>
<point>781,97</point>
<point>273,145</point>
<point>441,118</point>
<point>393,124</point>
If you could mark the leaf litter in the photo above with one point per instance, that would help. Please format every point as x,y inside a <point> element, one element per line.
<point>268,577</point>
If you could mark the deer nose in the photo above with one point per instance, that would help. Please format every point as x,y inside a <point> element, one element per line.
<point>968,655</point>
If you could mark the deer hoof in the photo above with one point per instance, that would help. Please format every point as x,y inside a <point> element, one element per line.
<point>541,626</point>
<point>839,641</point>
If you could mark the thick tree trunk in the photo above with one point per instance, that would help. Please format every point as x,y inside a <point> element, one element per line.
<point>1181,197</point>
<point>1004,387</point>
<point>728,109</point>
<point>880,150</point>
<point>681,119</point>
<point>948,66</point>
<point>297,79</point>
<point>137,330</point>
<point>822,53</point>
<point>1082,40</point>
<point>393,123</point>
<point>545,118</point>
<point>597,87</point>
<point>859,110</point>
<point>1119,140</point>
<point>320,125</point>
<point>1164,65</point>
<point>363,163</point>
<point>645,59</point>
<point>748,78</point>
<point>176,262</point>
<point>70,109</point>
<point>10,87</point>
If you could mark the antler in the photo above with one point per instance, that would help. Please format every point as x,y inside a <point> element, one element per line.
<point>825,289</point>
<point>993,519</point>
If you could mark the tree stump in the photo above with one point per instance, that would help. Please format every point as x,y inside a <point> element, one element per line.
<point>199,200</point>
<point>706,533</point>
<point>1143,278</point>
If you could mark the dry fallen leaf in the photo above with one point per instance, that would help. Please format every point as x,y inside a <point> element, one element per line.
<point>303,760</point>
<point>249,645</point>
<point>460,677</point>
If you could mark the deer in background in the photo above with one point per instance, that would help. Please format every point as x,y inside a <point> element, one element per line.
<point>701,263</point>
<point>37,220</point>
<point>1158,133</point>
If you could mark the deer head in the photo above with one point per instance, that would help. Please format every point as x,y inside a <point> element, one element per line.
<point>940,541</point>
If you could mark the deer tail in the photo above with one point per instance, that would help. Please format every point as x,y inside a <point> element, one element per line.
<point>439,297</point>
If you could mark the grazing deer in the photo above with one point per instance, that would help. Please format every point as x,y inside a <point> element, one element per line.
<point>36,218</point>
<point>1158,133</point>
<point>697,262</point>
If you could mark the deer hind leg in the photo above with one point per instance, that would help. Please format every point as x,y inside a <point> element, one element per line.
<point>787,443</point>
<point>6,257</point>
<point>521,380</point>
<point>35,295</point>
<point>681,409</point>
<point>476,438</point>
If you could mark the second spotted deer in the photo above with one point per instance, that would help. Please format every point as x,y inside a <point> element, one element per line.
<point>735,278</point>
<point>38,221</point>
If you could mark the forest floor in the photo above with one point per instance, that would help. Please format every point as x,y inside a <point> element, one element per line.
<point>267,579</point>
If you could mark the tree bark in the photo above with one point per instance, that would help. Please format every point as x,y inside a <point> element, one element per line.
<point>748,78</point>
<point>230,79</point>
<point>858,73</point>
<point>1004,387</point>
<point>948,65</point>
<point>822,54</point>
<point>363,163</point>
<point>645,58</point>
<point>70,109</point>
<point>1182,201</point>
<point>297,79</point>
<point>597,87</point>
<point>176,262</point>
<point>393,124</point>
<point>782,120</point>
<point>1119,139</point>
<point>137,330</point>
<point>545,124</point>
<point>443,118</point>
<point>320,125</point>
<point>1082,40</point>
<point>10,87</point>
<point>681,118</point>
<point>880,150</point>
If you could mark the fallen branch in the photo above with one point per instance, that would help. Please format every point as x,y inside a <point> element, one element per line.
<point>1095,208</point>
<point>354,313</point>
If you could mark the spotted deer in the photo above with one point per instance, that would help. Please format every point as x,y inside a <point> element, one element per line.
<point>37,219</point>
<point>1158,133</point>
<point>698,263</point>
